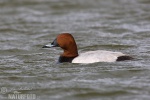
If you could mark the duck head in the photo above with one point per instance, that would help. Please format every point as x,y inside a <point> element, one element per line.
<point>67,43</point>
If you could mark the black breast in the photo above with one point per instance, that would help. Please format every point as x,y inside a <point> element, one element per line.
<point>65,59</point>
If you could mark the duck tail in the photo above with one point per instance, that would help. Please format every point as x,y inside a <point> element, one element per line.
<point>122,58</point>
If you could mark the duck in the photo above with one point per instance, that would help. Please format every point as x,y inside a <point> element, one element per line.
<point>70,52</point>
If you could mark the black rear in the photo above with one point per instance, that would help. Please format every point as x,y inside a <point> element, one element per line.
<point>122,58</point>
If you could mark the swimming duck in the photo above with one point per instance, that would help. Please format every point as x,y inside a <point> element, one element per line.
<point>70,54</point>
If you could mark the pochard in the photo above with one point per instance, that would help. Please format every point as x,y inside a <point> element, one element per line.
<point>70,54</point>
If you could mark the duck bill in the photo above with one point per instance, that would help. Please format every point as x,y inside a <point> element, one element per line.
<point>53,44</point>
<point>48,46</point>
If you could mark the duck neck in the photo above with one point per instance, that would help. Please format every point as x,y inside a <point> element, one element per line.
<point>70,53</point>
<point>68,56</point>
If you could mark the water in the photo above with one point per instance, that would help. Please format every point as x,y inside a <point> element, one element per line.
<point>116,25</point>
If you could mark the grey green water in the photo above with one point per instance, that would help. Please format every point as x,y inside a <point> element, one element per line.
<point>116,25</point>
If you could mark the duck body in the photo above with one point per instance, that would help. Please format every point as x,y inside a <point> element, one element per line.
<point>97,56</point>
<point>70,54</point>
